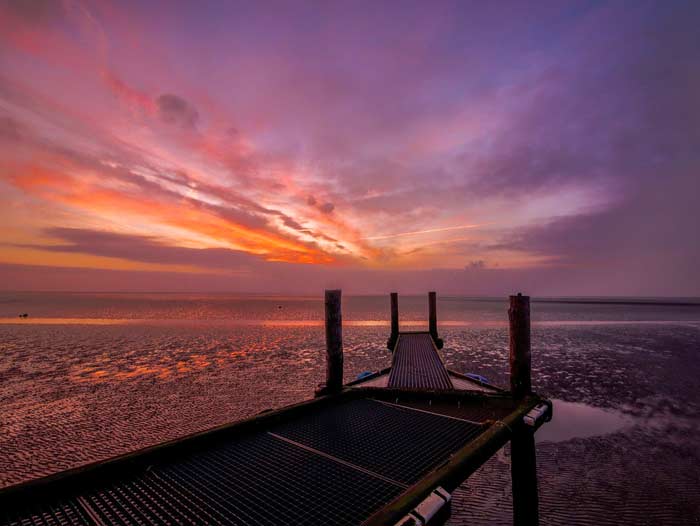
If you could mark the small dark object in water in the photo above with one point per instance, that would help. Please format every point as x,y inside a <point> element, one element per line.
<point>279,306</point>
<point>24,315</point>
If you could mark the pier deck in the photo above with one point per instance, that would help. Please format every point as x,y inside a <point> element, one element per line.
<point>416,363</point>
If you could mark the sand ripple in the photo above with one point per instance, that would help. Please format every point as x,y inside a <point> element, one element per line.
<point>72,394</point>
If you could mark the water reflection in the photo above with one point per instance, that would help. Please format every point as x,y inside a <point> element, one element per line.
<point>319,322</point>
<point>575,420</point>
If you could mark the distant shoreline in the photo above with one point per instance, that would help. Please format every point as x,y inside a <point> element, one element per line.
<point>681,302</point>
<point>612,300</point>
<point>620,302</point>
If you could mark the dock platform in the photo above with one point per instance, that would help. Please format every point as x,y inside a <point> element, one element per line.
<point>385,450</point>
<point>416,363</point>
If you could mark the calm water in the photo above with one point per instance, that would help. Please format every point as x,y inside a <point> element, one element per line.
<point>88,376</point>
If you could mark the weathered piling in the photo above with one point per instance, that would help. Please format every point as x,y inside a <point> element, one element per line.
<point>432,319</point>
<point>391,342</point>
<point>523,464</point>
<point>334,342</point>
<point>519,316</point>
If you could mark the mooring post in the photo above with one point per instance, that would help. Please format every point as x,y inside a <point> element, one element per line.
<point>394,321</point>
<point>523,465</point>
<point>432,319</point>
<point>519,316</point>
<point>334,342</point>
<point>432,314</point>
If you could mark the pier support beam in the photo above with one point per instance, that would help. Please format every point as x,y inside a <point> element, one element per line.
<point>391,343</point>
<point>523,464</point>
<point>432,319</point>
<point>334,343</point>
<point>523,473</point>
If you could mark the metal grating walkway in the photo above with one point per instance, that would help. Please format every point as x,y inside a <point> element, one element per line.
<point>54,514</point>
<point>260,480</point>
<point>337,465</point>
<point>473,412</point>
<point>398,443</point>
<point>417,365</point>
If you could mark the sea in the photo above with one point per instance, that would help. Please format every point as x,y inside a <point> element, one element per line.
<point>87,376</point>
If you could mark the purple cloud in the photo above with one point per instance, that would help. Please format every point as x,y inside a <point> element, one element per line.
<point>177,111</point>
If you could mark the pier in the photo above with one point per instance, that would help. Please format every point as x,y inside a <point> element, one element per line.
<point>386,449</point>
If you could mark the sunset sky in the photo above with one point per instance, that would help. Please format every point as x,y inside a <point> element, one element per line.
<point>469,147</point>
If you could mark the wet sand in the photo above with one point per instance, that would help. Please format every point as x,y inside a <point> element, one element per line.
<point>72,394</point>
<point>622,448</point>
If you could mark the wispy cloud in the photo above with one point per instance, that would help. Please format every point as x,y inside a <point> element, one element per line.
<point>427,231</point>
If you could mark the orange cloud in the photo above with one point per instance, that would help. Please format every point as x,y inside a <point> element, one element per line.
<point>85,193</point>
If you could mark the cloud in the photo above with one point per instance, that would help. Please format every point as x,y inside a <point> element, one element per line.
<point>144,249</point>
<point>177,111</point>
<point>131,96</point>
<point>326,208</point>
<point>291,223</point>
<point>478,264</point>
<point>136,185</point>
<point>36,11</point>
<point>11,130</point>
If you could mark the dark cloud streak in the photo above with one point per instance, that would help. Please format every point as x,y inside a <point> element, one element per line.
<point>144,249</point>
<point>177,111</point>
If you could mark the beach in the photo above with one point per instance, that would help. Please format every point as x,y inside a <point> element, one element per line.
<point>89,376</point>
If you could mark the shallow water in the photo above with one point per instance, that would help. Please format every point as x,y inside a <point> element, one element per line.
<point>89,376</point>
<point>575,420</point>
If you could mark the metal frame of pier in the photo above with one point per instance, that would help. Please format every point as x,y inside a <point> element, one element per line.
<point>386,450</point>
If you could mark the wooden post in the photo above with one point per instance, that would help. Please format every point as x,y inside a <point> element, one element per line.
<point>432,319</point>
<point>394,321</point>
<point>334,342</point>
<point>519,316</point>
<point>523,463</point>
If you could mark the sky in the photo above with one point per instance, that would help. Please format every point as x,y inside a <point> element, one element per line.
<point>476,148</point>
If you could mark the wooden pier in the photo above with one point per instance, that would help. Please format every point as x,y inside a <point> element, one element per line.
<point>388,449</point>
